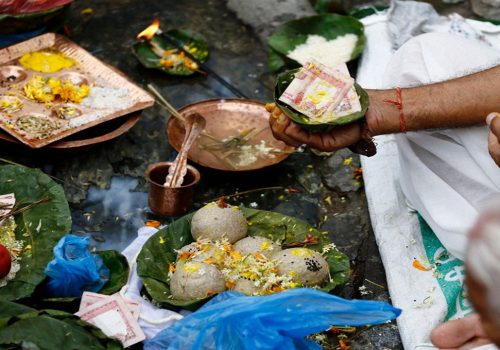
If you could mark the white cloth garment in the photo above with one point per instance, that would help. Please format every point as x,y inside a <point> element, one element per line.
<point>447,175</point>
<point>396,228</point>
<point>152,319</point>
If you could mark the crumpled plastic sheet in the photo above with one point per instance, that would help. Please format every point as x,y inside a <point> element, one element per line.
<point>281,321</point>
<point>74,269</point>
<point>29,6</point>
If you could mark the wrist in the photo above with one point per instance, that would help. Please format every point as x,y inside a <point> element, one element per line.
<point>381,117</point>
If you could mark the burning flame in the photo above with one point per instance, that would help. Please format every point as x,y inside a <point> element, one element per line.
<point>150,31</point>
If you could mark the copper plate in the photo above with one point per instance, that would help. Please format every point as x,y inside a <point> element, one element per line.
<point>225,119</point>
<point>77,142</point>
<point>88,69</point>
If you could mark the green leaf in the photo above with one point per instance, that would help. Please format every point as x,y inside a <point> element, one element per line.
<point>25,22</point>
<point>282,82</point>
<point>326,6</point>
<point>274,60</point>
<point>363,12</point>
<point>119,271</point>
<point>290,34</point>
<point>49,329</point>
<point>159,251</point>
<point>40,227</point>
<point>189,40</point>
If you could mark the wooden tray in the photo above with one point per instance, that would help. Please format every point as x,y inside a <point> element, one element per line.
<point>112,85</point>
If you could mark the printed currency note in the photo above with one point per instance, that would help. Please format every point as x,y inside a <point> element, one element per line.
<point>89,298</point>
<point>317,89</point>
<point>114,319</point>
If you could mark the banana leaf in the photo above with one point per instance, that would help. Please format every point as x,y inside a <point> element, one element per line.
<point>363,12</point>
<point>159,251</point>
<point>22,327</point>
<point>118,268</point>
<point>184,38</point>
<point>328,6</point>
<point>282,82</point>
<point>290,34</point>
<point>25,22</point>
<point>40,228</point>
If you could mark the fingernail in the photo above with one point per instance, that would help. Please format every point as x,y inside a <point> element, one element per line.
<point>490,118</point>
<point>282,119</point>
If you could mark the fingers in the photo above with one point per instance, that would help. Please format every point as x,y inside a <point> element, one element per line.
<point>454,334</point>
<point>331,141</point>
<point>494,147</point>
<point>279,122</point>
<point>270,107</point>
<point>494,123</point>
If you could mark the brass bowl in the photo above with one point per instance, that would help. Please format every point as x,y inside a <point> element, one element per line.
<point>225,119</point>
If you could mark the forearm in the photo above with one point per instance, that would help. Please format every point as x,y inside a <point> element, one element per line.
<point>459,102</point>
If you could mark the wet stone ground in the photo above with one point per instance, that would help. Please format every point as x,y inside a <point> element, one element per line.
<point>105,185</point>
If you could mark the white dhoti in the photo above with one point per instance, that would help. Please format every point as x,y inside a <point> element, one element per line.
<point>447,175</point>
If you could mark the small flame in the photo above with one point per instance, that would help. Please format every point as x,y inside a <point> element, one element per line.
<point>150,31</point>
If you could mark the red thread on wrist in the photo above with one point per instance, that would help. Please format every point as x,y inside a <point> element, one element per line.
<point>399,105</point>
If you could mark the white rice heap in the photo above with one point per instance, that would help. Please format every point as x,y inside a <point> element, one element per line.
<point>328,52</point>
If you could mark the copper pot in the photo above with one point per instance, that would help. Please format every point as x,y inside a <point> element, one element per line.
<point>170,201</point>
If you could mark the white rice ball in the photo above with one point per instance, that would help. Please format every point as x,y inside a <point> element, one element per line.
<point>196,280</point>
<point>202,251</point>
<point>215,223</point>
<point>254,244</point>
<point>246,286</point>
<point>304,265</point>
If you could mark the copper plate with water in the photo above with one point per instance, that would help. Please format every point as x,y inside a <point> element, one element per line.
<point>226,119</point>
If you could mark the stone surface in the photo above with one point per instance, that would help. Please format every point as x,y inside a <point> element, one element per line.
<point>265,15</point>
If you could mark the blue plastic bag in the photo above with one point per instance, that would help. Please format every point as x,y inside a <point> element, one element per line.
<point>280,321</point>
<point>74,269</point>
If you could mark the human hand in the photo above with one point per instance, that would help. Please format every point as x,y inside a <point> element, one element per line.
<point>494,136</point>
<point>464,334</point>
<point>355,136</point>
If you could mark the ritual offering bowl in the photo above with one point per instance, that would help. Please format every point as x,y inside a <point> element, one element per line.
<point>170,201</point>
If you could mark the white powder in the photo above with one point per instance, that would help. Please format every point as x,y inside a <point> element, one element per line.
<point>328,52</point>
<point>102,101</point>
<point>108,98</point>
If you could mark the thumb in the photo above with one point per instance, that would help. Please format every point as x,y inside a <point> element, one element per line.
<point>494,123</point>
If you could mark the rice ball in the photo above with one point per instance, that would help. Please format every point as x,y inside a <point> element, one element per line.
<point>215,223</point>
<point>196,280</point>
<point>252,245</point>
<point>202,251</point>
<point>246,286</point>
<point>304,265</point>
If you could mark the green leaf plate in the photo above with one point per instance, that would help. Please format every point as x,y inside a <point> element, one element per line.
<point>290,34</point>
<point>282,82</point>
<point>159,251</point>
<point>189,40</point>
<point>24,22</point>
<point>27,328</point>
<point>40,227</point>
